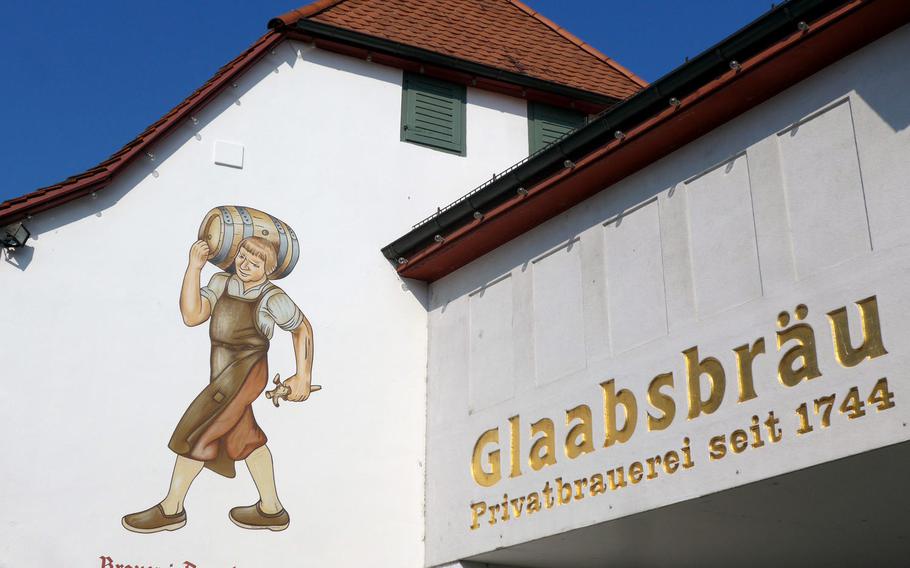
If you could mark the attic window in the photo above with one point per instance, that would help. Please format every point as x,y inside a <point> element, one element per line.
<point>547,124</point>
<point>433,113</point>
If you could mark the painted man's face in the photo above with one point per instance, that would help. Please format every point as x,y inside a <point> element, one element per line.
<point>248,266</point>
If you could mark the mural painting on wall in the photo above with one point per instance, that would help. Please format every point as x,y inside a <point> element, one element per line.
<point>242,306</point>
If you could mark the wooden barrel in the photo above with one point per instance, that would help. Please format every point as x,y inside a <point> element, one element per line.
<point>224,227</point>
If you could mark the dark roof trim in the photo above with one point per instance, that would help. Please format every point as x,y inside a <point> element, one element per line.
<point>314,9</point>
<point>677,83</point>
<point>709,93</point>
<point>307,11</point>
<point>101,175</point>
<point>311,29</point>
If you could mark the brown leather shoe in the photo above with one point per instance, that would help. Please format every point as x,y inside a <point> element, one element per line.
<point>253,517</point>
<point>153,520</point>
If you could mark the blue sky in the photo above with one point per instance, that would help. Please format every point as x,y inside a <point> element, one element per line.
<point>83,78</point>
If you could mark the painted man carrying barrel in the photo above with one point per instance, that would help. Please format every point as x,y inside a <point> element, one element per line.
<point>218,428</point>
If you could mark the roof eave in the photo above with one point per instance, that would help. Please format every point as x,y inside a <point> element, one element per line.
<point>381,50</point>
<point>651,129</point>
<point>308,11</point>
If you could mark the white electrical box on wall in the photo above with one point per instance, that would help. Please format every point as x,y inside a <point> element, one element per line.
<point>228,154</point>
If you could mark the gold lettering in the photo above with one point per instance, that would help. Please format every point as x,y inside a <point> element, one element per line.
<point>757,442</point>
<point>543,452</point>
<point>695,368</point>
<point>612,399</point>
<point>744,357</point>
<point>548,495</point>
<point>582,430</point>
<point>872,345</point>
<point>580,485</point>
<point>514,446</point>
<point>517,505</point>
<point>687,454</point>
<point>671,462</point>
<point>739,441</point>
<point>617,478</point>
<point>662,402</point>
<point>652,471</point>
<point>477,511</point>
<point>494,511</point>
<point>564,491</point>
<point>774,432</point>
<point>481,476</point>
<point>636,471</point>
<point>597,484</point>
<point>533,503</point>
<point>804,335</point>
<point>717,447</point>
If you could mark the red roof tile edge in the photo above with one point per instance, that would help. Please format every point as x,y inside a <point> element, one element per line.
<point>308,11</point>
<point>791,59</point>
<point>591,50</point>
<point>99,176</point>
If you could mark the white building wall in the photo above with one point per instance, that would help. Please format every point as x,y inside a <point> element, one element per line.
<point>97,366</point>
<point>802,200</point>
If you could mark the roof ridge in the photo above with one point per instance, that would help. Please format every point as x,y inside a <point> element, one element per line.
<point>578,42</point>
<point>307,11</point>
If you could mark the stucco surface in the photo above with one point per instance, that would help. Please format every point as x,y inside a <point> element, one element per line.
<point>802,200</point>
<point>102,366</point>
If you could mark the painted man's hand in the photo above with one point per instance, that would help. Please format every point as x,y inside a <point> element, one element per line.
<point>300,388</point>
<point>199,254</point>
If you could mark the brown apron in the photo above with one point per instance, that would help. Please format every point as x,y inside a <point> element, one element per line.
<point>219,428</point>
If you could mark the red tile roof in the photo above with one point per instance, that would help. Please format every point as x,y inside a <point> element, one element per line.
<point>791,48</point>
<point>505,34</point>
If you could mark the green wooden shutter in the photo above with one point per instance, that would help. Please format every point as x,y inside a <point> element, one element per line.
<point>433,113</point>
<point>546,124</point>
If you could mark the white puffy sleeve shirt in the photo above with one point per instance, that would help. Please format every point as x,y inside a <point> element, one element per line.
<point>275,308</point>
